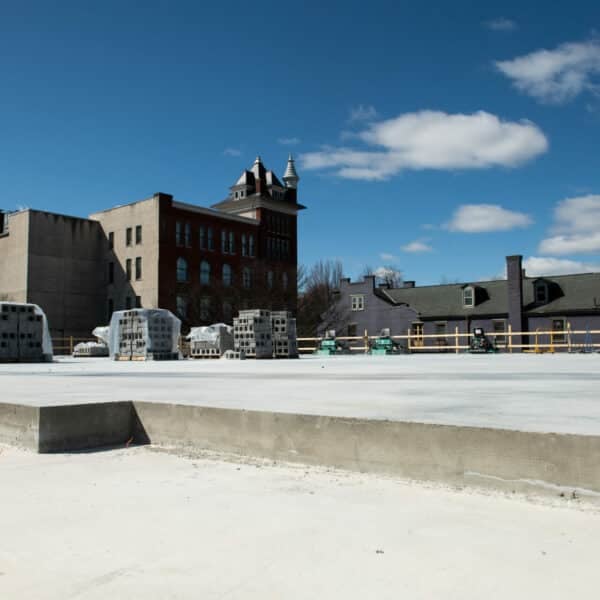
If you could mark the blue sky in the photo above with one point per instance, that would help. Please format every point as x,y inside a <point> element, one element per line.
<point>433,136</point>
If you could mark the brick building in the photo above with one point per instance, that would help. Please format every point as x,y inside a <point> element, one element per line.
<point>201,263</point>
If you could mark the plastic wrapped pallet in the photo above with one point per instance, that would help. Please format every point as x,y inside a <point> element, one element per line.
<point>102,334</point>
<point>211,341</point>
<point>144,334</point>
<point>90,349</point>
<point>283,326</point>
<point>24,333</point>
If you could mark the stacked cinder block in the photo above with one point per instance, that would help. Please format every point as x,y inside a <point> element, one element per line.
<point>283,328</point>
<point>144,334</point>
<point>24,334</point>
<point>252,333</point>
<point>210,342</point>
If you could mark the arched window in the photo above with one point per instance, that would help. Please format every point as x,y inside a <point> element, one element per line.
<point>227,275</point>
<point>468,297</point>
<point>541,292</point>
<point>250,245</point>
<point>269,279</point>
<point>182,269</point>
<point>204,273</point>
<point>223,241</point>
<point>247,277</point>
<point>231,243</point>
<point>284,280</point>
<point>202,236</point>
<point>244,245</point>
<point>211,239</point>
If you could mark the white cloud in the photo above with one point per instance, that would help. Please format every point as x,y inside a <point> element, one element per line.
<point>417,247</point>
<point>362,113</point>
<point>291,141</point>
<point>555,76</point>
<point>432,140</point>
<point>388,275</point>
<point>232,152</point>
<point>501,24</point>
<point>576,228</point>
<point>537,266</point>
<point>479,218</point>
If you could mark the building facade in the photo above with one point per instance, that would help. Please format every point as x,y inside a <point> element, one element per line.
<point>525,303</point>
<point>203,264</point>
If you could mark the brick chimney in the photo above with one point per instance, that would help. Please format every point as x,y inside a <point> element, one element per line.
<point>514,276</point>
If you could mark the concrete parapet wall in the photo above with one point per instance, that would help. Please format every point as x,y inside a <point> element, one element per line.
<point>541,463</point>
<point>495,458</point>
<point>19,425</point>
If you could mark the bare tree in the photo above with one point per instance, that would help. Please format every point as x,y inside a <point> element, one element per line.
<point>318,308</point>
<point>388,275</point>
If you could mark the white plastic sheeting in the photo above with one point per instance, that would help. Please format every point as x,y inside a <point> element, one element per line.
<point>143,332</point>
<point>47,350</point>
<point>102,333</point>
<point>210,333</point>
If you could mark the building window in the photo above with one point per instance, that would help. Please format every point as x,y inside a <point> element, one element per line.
<point>138,268</point>
<point>251,245</point>
<point>231,243</point>
<point>111,272</point>
<point>440,331</point>
<point>128,269</point>
<point>111,240</point>
<point>558,328</point>
<point>202,237</point>
<point>204,273</point>
<point>227,311</point>
<point>128,236</point>
<point>357,302</point>
<point>499,327</point>
<point>227,275</point>
<point>205,308</point>
<point>211,239</point>
<point>138,234</point>
<point>188,235</point>
<point>541,292</point>
<point>468,297</point>
<point>181,306</point>
<point>178,234</point>
<point>128,303</point>
<point>247,277</point>
<point>244,245</point>
<point>182,269</point>
<point>352,330</point>
<point>416,330</point>
<point>284,281</point>
<point>224,241</point>
<point>269,279</point>
<point>138,302</point>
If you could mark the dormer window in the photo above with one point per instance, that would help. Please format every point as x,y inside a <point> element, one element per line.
<point>468,297</point>
<point>541,292</point>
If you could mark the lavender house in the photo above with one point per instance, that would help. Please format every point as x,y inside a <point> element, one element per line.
<point>525,303</point>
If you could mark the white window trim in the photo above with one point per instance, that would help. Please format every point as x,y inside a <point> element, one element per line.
<point>357,302</point>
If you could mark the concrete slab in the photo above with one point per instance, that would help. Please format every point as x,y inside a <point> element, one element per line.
<point>140,524</point>
<point>542,393</point>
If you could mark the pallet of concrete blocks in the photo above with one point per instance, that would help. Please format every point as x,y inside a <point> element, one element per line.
<point>144,334</point>
<point>252,333</point>
<point>210,342</point>
<point>24,333</point>
<point>94,349</point>
<point>283,327</point>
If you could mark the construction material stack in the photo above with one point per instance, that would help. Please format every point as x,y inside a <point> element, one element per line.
<point>329,345</point>
<point>144,334</point>
<point>283,331</point>
<point>94,349</point>
<point>384,344</point>
<point>24,333</point>
<point>252,334</point>
<point>210,342</point>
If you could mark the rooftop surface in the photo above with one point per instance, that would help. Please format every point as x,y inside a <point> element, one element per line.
<point>137,523</point>
<point>542,393</point>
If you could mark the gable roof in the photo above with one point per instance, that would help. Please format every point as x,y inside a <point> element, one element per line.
<point>569,294</point>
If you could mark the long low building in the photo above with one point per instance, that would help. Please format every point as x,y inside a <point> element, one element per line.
<point>526,304</point>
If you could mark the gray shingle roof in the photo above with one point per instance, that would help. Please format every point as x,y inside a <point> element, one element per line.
<point>568,293</point>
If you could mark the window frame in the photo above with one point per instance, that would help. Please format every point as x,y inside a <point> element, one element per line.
<point>138,235</point>
<point>468,291</point>
<point>138,268</point>
<point>182,270</point>
<point>357,302</point>
<point>128,236</point>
